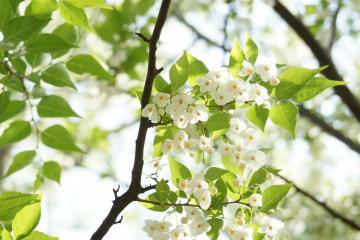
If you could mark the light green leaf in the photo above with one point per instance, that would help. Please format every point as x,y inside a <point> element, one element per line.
<point>250,50</point>
<point>179,73</point>
<point>52,171</point>
<point>292,80</point>
<point>89,3</point>
<point>85,63</point>
<point>178,171</point>
<point>17,131</point>
<point>236,58</point>
<point>47,43</point>
<point>284,115</point>
<point>259,176</point>
<point>22,28</point>
<point>58,76</point>
<point>6,235</point>
<point>13,202</point>
<point>7,12</point>
<point>59,138</point>
<point>216,225</point>
<point>20,161</point>
<point>161,85</point>
<point>26,220</point>
<point>162,191</point>
<point>273,195</point>
<point>315,86</point>
<point>74,15</point>
<point>218,121</point>
<point>55,106</point>
<point>214,173</point>
<point>42,7</point>
<point>258,115</point>
<point>197,69</point>
<point>160,137</point>
<point>35,235</point>
<point>229,165</point>
<point>69,34</point>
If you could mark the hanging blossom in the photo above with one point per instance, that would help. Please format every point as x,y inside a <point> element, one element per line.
<point>188,111</point>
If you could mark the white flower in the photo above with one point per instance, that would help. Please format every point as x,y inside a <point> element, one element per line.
<point>198,113</point>
<point>243,233</point>
<point>205,143</point>
<point>234,87</point>
<point>161,99</point>
<point>168,146</point>
<point>247,70</point>
<point>181,232</point>
<point>156,163</point>
<point>237,126</point>
<point>270,226</point>
<point>238,181</point>
<point>199,226</point>
<point>266,68</point>
<point>150,112</point>
<point>231,230</point>
<point>161,236</point>
<point>204,198</point>
<point>183,184</point>
<point>192,213</point>
<point>181,101</point>
<point>225,149</point>
<point>207,84</point>
<point>222,96</point>
<point>236,158</point>
<point>269,176</point>
<point>181,120</point>
<point>258,94</point>
<point>221,75</point>
<point>244,93</point>
<point>184,220</point>
<point>180,137</point>
<point>255,200</point>
<point>164,226</point>
<point>213,190</point>
<point>190,144</point>
<point>250,137</point>
<point>254,159</point>
<point>198,183</point>
<point>151,227</point>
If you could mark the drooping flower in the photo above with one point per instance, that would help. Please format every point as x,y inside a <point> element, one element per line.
<point>199,226</point>
<point>247,70</point>
<point>258,94</point>
<point>237,126</point>
<point>150,112</point>
<point>255,200</point>
<point>161,99</point>
<point>181,232</point>
<point>266,68</point>
<point>168,146</point>
<point>270,226</point>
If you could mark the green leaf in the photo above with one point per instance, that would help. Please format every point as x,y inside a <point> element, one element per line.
<point>42,7</point>
<point>85,63</point>
<point>216,224</point>
<point>4,99</point>
<point>236,58</point>
<point>284,115</point>
<point>7,12</point>
<point>74,15</point>
<point>47,43</point>
<point>197,69</point>
<point>259,176</point>
<point>161,85</point>
<point>315,86</point>
<point>162,191</point>
<point>160,137</point>
<point>11,109</point>
<point>26,220</point>
<point>292,80</point>
<point>218,121</point>
<point>55,106</point>
<point>214,173</point>
<point>52,171</point>
<point>154,207</point>
<point>89,3</point>
<point>13,202</point>
<point>35,235</point>
<point>258,115</point>
<point>250,50</point>
<point>273,195</point>
<point>58,76</point>
<point>20,161</point>
<point>59,138</point>
<point>69,34</point>
<point>179,73</point>
<point>22,28</point>
<point>17,131</point>
<point>178,171</point>
<point>6,235</point>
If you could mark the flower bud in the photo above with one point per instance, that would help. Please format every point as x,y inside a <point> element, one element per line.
<point>213,190</point>
<point>269,176</point>
<point>274,81</point>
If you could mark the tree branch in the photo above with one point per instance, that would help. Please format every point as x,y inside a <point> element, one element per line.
<point>135,187</point>
<point>321,55</point>
<point>324,205</point>
<point>334,25</point>
<point>329,129</point>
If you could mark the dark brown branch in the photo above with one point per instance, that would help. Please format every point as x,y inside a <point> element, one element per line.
<point>334,25</point>
<point>321,55</point>
<point>135,187</point>
<point>324,205</point>
<point>328,128</point>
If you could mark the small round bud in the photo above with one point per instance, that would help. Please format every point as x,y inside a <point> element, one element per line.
<point>269,176</point>
<point>274,81</point>
<point>161,112</point>
<point>237,182</point>
<point>213,190</point>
